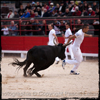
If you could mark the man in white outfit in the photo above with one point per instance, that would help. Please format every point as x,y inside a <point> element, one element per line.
<point>52,35</point>
<point>79,36</point>
<point>68,33</point>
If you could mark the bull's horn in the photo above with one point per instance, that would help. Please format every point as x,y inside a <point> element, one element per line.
<point>67,44</point>
<point>54,41</point>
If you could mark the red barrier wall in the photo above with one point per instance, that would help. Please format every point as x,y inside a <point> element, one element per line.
<point>89,45</point>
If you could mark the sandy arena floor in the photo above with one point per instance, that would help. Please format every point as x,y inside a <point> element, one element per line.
<point>56,82</point>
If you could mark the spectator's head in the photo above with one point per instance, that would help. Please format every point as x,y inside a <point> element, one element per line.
<point>85,4</point>
<point>36,13</point>
<point>97,10</point>
<point>61,22</point>
<point>38,9</point>
<point>45,10</point>
<point>10,11</point>
<point>32,20</point>
<point>15,12</point>
<point>21,6</point>
<point>37,21</point>
<point>80,4</point>
<point>95,21</point>
<point>78,21</point>
<point>94,3</point>
<point>60,12</point>
<point>50,26</point>
<point>57,5</point>
<point>85,28</point>
<point>12,23</point>
<point>72,2</point>
<point>44,21</point>
<point>69,6</point>
<point>4,4</point>
<point>75,5</point>
<point>20,20</point>
<point>21,13</point>
<point>42,8</point>
<point>51,4</point>
<point>90,10</point>
<point>5,26</point>
<point>33,3</point>
<point>89,6</point>
<point>28,4</point>
<point>26,11</point>
<point>67,10</point>
<point>38,3</point>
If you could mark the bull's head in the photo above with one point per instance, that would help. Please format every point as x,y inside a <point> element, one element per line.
<point>62,47</point>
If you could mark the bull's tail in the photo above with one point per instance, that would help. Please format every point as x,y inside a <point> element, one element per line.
<point>17,62</point>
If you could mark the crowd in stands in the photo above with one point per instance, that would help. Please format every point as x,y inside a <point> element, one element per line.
<point>61,9</point>
<point>37,9</point>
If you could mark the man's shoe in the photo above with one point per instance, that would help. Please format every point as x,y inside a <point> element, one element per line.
<point>63,64</point>
<point>73,73</point>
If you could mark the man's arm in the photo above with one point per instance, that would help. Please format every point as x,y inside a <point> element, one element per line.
<point>65,37</point>
<point>87,35</point>
<point>55,38</point>
<point>70,38</point>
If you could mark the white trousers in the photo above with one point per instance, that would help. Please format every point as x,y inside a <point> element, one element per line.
<point>70,51</point>
<point>78,58</point>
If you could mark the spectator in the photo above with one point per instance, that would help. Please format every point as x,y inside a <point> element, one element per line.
<point>16,15</point>
<point>94,6</point>
<point>21,27</point>
<point>70,7</point>
<point>10,14</point>
<point>33,5</point>
<point>32,22</point>
<point>4,10</point>
<point>73,8</point>
<point>81,7</point>
<point>27,28</point>
<point>62,7</point>
<point>46,14</point>
<point>78,25</point>
<point>67,12</point>
<point>96,27</point>
<point>43,27</point>
<point>89,6</point>
<point>39,10</point>
<point>5,31</point>
<point>54,14</point>
<point>62,26</point>
<point>21,10</point>
<point>60,14</point>
<point>84,13</point>
<point>57,8</point>
<point>46,6</point>
<point>77,12</point>
<point>42,11</point>
<point>38,5</point>
<point>39,32</point>
<point>36,14</point>
<point>13,27</point>
<point>85,6</point>
<point>91,12</point>
<point>97,13</point>
<point>28,6</point>
<point>32,14</point>
<point>51,8</point>
<point>26,14</point>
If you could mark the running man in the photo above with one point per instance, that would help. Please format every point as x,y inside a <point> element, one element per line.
<point>68,33</point>
<point>79,37</point>
<point>52,35</point>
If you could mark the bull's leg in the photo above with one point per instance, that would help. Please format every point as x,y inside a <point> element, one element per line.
<point>25,68</point>
<point>37,74</point>
<point>30,70</point>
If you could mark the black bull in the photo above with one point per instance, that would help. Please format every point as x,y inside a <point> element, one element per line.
<point>42,57</point>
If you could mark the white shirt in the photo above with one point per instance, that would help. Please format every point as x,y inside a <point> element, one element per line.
<point>5,31</point>
<point>51,37</point>
<point>67,34</point>
<point>79,38</point>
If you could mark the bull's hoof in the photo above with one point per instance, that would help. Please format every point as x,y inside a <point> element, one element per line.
<point>29,71</point>
<point>24,75</point>
<point>41,76</point>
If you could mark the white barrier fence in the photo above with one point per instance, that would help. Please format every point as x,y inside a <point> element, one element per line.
<point>23,54</point>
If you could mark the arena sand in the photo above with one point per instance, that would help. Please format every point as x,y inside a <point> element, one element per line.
<point>56,82</point>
